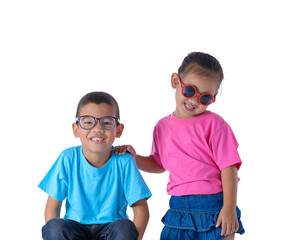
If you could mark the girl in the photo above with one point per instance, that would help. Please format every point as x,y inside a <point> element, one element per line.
<point>199,150</point>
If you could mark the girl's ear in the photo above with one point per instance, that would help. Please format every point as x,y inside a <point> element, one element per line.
<point>215,96</point>
<point>120,129</point>
<point>75,130</point>
<point>174,80</point>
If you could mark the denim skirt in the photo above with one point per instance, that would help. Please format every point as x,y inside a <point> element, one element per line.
<point>194,217</point>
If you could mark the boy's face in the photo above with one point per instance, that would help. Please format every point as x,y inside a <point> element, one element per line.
<point>97,141</point>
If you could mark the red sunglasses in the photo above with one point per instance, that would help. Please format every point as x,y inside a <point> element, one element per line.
<point>189,91</point>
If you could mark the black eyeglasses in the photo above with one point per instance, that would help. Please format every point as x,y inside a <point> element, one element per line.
<point>189,91</point>
<point>88,122</point>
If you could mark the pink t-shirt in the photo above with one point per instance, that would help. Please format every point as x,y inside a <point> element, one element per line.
<point>194,151</point>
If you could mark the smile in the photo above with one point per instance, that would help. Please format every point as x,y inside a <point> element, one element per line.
<point>97,139</point>
<point>189,107</point>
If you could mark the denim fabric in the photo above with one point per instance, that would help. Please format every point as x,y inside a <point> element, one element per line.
<point>194,217</point>
<point>63,229</point>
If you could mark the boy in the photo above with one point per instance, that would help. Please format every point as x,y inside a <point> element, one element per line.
<point>97,183</point>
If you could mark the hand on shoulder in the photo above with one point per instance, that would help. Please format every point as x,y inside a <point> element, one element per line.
<point>121,150</point>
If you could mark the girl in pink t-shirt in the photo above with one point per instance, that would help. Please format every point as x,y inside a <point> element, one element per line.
<point>199,150</point>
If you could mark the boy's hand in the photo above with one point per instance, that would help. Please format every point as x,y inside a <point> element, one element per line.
<point>120,150</point>
<point>228,221</point>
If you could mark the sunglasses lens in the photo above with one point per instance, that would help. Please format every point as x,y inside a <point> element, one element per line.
<point>206,99</point>
<point>189,91</point>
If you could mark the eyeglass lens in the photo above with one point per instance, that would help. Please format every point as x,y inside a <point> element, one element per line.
<point>189,91</point>
<point>87,122</point>
<point>205,99</point>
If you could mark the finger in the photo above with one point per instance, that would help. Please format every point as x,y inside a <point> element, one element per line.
<point>224,228</point>
<point>123,151</point>
<point>219,222</point>
<point>119,150</point>
<point>230,228</point>
<point>116,150</point>
<point>130,149</point>
<point>236,226</point>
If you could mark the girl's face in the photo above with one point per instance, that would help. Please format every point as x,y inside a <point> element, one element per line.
<point>190,107</point>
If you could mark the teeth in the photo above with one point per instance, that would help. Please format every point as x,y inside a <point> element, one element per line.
<point>97,139</point>
<point>188,106</point>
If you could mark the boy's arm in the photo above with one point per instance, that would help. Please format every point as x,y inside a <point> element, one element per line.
<point>228,216</point>
<point>147,164</point>
<point>52,208</point>
<point>141,216</point>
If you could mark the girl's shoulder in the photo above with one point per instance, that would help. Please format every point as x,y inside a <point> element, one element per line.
<point>164,120</point>
<point>214,121</point>
<point>214,117</point>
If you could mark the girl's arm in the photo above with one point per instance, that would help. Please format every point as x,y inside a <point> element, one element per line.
<point>228,217</point>
<point>147,164</point>
<point>141,216</point>
<point>52,209</point>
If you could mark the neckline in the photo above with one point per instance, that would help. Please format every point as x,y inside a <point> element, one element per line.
<point>92,168</point>
<point>173,117</point>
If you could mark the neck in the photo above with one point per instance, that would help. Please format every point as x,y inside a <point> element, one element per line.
<point>97,160</point>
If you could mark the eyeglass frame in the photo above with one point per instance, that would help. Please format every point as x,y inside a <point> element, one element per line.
<point>196,92</point>
<point>77,120</point>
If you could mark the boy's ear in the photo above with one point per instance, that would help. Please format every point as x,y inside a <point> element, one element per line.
<point>174,80</point>
<point>75,130</point>
<point>120,129</point>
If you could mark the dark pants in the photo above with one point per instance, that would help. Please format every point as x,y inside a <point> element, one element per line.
<point>63,229</point>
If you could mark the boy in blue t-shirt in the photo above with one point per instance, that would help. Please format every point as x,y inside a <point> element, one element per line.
<point>97,184</point>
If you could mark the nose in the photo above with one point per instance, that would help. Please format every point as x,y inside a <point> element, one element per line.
<point>97,127</point>
<point>195,99</point>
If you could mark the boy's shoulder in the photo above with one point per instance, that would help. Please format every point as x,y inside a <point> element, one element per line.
<point>72,151</point>
<point>125,158</point>
<point>70,155</point>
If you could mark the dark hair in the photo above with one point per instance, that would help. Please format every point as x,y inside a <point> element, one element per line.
<point>202,64</point>
<point>97,98</point>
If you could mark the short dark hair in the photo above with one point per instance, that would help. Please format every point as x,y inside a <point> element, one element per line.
<point>97,98</point>
<point>209,64</point>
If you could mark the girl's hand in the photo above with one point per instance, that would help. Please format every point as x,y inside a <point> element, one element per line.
<point>120,150</point>
<point>228,221</point>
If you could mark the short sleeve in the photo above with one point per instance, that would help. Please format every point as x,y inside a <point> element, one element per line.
<point>155,154</point>
<point>55,181</point>
<point>224,147</point>
<point>135,187</point>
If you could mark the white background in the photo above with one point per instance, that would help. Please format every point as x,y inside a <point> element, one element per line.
<point>54,52</point>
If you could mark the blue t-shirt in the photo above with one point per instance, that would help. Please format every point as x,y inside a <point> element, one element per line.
<point>95,195</point>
